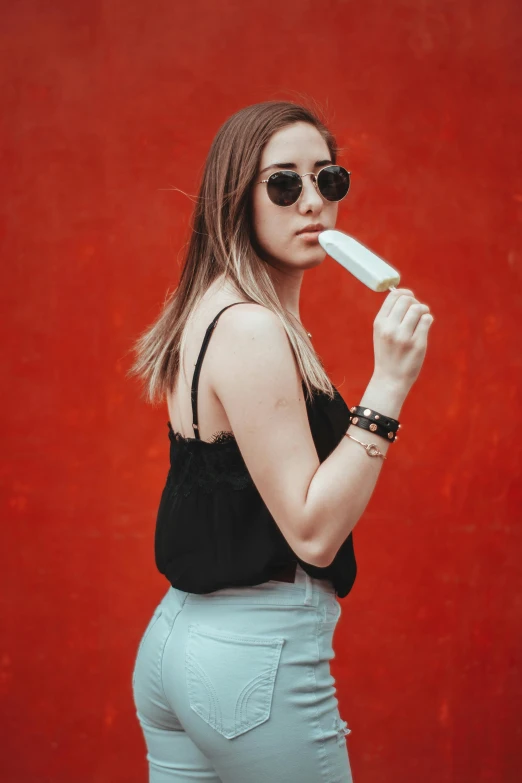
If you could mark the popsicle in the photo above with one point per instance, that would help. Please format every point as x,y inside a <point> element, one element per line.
<point>367,267</point>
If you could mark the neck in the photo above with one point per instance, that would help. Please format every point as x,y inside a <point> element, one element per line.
<point>288,288</point>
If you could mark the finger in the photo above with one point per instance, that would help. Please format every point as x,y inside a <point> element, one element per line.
<point>400,308</point>
<point>412,318</point>
<point>422,328</point>
<point>391,299</point>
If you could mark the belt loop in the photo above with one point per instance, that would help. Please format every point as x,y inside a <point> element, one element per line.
<point>309,590</point>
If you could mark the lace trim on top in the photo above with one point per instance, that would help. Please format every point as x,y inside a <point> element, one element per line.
<point>203,465</point>
<point>196,465</point>
<point>222,436</point>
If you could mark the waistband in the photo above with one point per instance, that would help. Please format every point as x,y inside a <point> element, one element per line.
<point>304,591</point>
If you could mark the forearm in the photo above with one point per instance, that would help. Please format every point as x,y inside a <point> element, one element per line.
<point>343,484</point>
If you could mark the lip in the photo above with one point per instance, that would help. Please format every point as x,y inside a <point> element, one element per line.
<point>312,228</point>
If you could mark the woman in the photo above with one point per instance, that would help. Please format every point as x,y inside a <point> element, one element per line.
<point>232,679</point>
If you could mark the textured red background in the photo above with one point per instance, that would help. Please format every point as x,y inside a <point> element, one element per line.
<point>105,105</point>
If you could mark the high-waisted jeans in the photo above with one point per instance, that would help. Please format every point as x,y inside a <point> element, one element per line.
<point>235,686</point>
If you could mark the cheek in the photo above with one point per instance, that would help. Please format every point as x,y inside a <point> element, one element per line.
<point>268,221</point>
<point>333,213</point>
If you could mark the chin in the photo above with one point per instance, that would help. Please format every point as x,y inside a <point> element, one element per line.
<point>312,263</point>
<point>312,259</point>
<point>303,261</point>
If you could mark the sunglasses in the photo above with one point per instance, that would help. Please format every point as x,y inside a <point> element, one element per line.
<point>285,187</point>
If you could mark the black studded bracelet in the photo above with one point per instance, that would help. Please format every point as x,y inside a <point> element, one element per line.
<point>367,413</point>
<point>377,429</point>
<point>375,422</point>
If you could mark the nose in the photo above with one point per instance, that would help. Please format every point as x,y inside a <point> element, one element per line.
<point>311,200</point>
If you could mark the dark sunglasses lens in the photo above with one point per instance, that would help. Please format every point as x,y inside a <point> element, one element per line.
<point>333,182</point>
<point>284,187</point>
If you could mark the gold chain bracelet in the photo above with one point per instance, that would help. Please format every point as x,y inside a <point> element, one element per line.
<point>371,449</point>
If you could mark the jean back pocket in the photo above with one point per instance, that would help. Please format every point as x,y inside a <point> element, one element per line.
<point>231,677</point>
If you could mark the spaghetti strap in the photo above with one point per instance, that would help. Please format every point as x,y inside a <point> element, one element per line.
<point>195,379</point>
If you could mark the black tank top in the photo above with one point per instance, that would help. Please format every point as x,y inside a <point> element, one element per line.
<point>213,529</point>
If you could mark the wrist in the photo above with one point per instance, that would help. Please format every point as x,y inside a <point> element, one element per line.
<point>384,395</point>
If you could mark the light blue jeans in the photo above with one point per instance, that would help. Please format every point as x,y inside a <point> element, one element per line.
<point>235,686</point>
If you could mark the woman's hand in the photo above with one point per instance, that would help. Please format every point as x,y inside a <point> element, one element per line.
<point>400,337</point>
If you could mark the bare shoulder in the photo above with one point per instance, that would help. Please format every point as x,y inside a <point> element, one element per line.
<point>251,316</point>
<point>251,340</point>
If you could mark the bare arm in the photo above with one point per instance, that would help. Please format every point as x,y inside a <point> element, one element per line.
<point>255,376</point>
<point>343,484</point>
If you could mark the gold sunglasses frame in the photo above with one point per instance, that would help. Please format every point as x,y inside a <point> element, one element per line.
<point>314,180</point>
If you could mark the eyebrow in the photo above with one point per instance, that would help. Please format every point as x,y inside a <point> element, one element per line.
<point>293,166</point>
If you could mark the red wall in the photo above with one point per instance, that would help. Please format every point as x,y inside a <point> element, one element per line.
<point>105,105</point>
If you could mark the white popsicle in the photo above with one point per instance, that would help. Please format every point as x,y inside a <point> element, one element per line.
<point>357,259</point>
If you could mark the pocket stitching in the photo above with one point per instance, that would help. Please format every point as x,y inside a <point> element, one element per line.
<point>214,633</point>
<point>247,692</point>
<point>214,718</point>
<point>217,721</point>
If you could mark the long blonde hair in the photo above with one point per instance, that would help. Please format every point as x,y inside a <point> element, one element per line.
<point>222,242</point>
